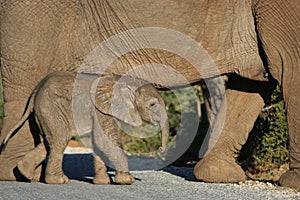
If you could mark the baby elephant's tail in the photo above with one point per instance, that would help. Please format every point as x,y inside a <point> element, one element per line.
<point>25,116</point>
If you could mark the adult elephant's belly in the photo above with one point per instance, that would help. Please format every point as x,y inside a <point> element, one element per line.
<point>202,39</point>
<point>170,43</point>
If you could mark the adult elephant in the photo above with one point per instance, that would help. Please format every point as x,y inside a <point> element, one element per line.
<point>245,37</point>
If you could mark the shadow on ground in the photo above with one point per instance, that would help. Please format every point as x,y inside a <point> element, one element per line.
<point>81,167</point>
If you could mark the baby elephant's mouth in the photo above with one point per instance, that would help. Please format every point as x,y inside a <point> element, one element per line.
<point>155,116</point>
<point>154,123</point>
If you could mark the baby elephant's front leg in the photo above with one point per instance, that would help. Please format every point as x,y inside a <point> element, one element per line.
<point>119,160</point>
<point>124,178</point>
<point>110,144</point>
<point>101,176</point>
<point>117,157</point>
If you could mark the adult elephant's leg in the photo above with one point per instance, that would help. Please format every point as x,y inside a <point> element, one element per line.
<point>23,65</point>
<point>29,166</point>
<point>17,86</point>
<point>281,46</point>
<point>19,145</point>
<point>292,101</point>
<point>20,159</point>
<point>219,164</point>
<point>19,78</point>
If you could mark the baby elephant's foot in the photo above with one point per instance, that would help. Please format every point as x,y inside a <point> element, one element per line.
<point>102,178</point>
<point>124,178</point>
<point>56,179</point>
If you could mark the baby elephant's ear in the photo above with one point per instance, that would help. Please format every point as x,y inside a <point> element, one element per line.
<point>116,99</point>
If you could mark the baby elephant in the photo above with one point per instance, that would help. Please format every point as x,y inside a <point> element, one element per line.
<point>66,104</point>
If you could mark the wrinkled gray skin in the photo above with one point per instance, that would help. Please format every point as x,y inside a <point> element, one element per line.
<point>244,37</point>
<point>63,107</point>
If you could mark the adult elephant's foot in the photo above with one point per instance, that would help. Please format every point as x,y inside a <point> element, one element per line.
<point>56,179</point>
<point>26,168</point>
<point>37,174</point>
<point>123,178</point>
<point>30,165</point>
<point>291,179</point>
<point>217,169</point>
<point>101,178</point>
<point>29,170</point>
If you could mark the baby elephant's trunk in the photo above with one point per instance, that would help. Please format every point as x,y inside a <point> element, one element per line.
<point>159,117</point>
<point>165,130</point>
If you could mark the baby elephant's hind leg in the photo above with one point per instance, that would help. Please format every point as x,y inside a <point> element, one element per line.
<point>57,138</point>
<point>54,173</point>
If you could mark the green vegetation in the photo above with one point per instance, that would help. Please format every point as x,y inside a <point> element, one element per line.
<point>141,140</point>
<point>267,145</point>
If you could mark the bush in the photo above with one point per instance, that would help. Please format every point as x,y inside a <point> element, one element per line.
<point>267,144</point>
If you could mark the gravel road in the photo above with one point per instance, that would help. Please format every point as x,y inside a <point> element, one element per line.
<point>168,183</point>
<point>172,183</point>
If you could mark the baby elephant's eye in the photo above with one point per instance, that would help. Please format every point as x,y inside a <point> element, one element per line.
<point>152,104</point>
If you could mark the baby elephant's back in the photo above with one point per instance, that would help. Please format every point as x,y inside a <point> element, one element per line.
<point>53,102</point>
<point>57,85</point>
<point>54,90</point>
